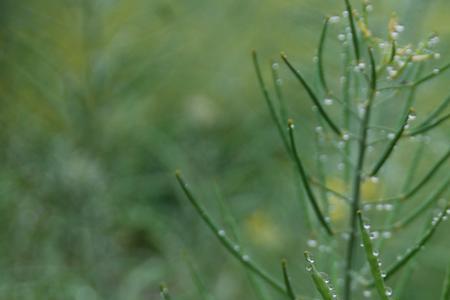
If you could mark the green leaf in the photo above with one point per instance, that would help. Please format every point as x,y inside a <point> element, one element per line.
<point>372,259</point>
<point>320,280</point>
<point>287,280</point>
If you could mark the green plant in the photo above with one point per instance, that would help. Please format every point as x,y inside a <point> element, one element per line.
<point>376,71</point>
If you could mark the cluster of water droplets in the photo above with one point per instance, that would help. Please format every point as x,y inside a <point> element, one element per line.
<point>309,267</point>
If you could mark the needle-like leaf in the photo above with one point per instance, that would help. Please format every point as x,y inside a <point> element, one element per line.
<point>323,35</point>
<point>321,282</point>
<point>304,178</point>
<point>387,152</point>
<point>287,280</point>
<point>411,252</point>
<point>372,259</point>
<point>351,19</point>
<point>233,248</point>
<point>312,95</point>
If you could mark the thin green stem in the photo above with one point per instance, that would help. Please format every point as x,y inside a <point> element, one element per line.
<point>323,35</point>
<point>372,259</point>
<point>446,287</point>
<point>287,280</point>
<point>427,127</point>
<point>387,152</point>
<point>436,72</point>
<point>358,178</point>
<point>418,211</point>
<point>411,252</point>
<point>304,178</point>
<point>232,248</point>
<point>353,30</point>
<point>436,112</point>
<point>321,283</point>
<point>269,101</point>
<point>313,96</point>
<point>421,183</point>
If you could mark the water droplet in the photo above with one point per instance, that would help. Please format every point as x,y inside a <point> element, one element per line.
<point>346,136</point>
<point>319,129</point>
<point>437,55</point>
<point>366,226</point>
<point>436,71</point>
<point>374,179</point>
<point>308,268</point>
<point>221,232</point>
<point>374,235</point>
<point>345,13</point>
<point>311,243</point>
<point>367,293</point>
<point>369,7</point>
<point>391,135</point>
<point>275,66</point>
<point>236,247</point>
<point>315,59</point>
<point>310,259</point>
<point>388,291</point>
<point>245,257</point>
<point>341,37</point>
<point>279,81</point>
<point>394,35</point>
<point>375,253</point>
<point>388,207</point>
<point>399,28</point>
<point>334,19</point>
<point>328,101</point>
<point>383,274</point>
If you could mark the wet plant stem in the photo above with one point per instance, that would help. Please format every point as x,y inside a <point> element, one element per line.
<point>358,180</point>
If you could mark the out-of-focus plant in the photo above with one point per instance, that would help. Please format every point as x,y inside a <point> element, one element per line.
<point>377,72</point>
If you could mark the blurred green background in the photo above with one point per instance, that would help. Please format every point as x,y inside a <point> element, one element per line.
<point>101,100</point>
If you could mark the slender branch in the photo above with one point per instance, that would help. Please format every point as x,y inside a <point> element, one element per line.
<point>353,29</point>
<point>304,178</point>
<point>313,96</point>
<point>269,101</point>
<point>429,126</point>
<point>411,252</point>
<point>320,56</point>
<point>234,249</point>
<point>436,72</point>
<point>387,152</point>
<point>358,178</point>
<point>287,280</point>
<point>435,113</point>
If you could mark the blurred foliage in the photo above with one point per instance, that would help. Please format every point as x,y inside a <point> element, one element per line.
<point>102,99</point>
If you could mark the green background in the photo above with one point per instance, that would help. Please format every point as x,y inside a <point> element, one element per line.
<point>100,101</point>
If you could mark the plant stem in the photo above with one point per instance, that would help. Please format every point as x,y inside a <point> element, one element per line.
<point>357,180</point>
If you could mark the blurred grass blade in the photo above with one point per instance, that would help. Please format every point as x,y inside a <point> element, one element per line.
<point>277,82</point>
<point>351,19</point>
<point>164,292</point>
<point>312,95</point>
<point>429,126</point>
<point>436,72</point>
<point>321,282</point>
<point>411,252</point>
<point>393,52</point>
<point>435,113</point>
<point>234,249</point>
<point>423,206</point>
<point>305,181</point>
<point>446,287</point>
<point>269,101</point>
<point>323,35</point>
<point>198,282</point>
<point>429,175</point>
<point>387,152</point>
<point>372,259</point>
<point>287,280</point>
